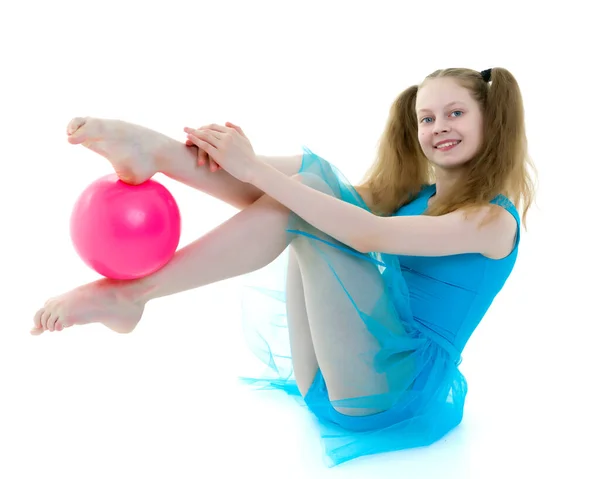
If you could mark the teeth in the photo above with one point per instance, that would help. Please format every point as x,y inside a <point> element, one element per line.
<point>450,143</point>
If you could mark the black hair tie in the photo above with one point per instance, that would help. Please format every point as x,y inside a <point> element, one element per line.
<point>486,75</point>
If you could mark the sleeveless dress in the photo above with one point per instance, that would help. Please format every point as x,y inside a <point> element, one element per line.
<point>433,306</point>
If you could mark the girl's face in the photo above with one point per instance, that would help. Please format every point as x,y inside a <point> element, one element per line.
<point>450,123</point>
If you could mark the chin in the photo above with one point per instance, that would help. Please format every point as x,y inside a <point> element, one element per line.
<point>450,165</point>
<point>450,160</point>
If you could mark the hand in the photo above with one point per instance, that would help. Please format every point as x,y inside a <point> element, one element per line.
<point>228,147</point>
<point>203,158</point>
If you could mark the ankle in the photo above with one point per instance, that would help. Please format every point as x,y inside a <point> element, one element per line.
<point>133,291</point>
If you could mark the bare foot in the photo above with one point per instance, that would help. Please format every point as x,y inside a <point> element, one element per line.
<point>97,302</point>
<point>131,149</point>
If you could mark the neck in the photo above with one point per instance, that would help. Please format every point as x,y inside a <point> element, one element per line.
<point>444,181</point>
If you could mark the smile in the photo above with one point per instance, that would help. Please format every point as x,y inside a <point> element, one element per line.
<point>447,146</point>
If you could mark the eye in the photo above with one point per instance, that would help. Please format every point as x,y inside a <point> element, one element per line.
<point>429,118</point>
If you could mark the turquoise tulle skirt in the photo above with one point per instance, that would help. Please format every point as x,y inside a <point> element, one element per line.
<point>385,382</point>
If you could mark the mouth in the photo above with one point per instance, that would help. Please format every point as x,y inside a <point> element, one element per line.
<point>448,145</point>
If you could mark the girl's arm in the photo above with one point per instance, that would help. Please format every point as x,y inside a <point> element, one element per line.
<point>449,234</point>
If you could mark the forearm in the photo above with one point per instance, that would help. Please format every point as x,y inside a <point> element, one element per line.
<point>343,221</point>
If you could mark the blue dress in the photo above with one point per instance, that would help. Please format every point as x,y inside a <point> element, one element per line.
<point>436,304</point>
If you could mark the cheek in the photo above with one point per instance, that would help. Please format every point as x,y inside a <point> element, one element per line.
<point>477,137</point>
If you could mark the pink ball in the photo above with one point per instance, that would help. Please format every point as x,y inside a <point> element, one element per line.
<point>123,231</point>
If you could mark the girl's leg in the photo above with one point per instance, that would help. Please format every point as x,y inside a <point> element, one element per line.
<point>304,360</point>
<point>249,240</point>
<point>178,162</point>
<point>137,153</point>
<point>345,350</point>
<point>343,293</point>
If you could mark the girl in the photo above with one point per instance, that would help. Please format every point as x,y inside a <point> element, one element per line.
<point>386,281</point>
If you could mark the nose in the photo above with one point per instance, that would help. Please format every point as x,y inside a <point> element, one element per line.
<point>441,127</point>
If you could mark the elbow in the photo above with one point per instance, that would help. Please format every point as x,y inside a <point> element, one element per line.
<point>359,248</point>
<point>368,239</point>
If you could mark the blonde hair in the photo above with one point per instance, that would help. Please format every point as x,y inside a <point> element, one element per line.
<point>401,169</point>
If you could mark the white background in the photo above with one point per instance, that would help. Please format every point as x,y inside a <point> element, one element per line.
<point>163,401</point>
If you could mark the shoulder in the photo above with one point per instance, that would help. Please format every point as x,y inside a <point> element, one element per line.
<point>492,229</point>
<point>498,223</point>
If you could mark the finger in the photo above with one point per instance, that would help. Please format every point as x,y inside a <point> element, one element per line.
<point>212,127</point>
<point>189,143</point>
<point>203,145</point>
<point>202,157</point>
<point>237,128</point>
<point>231,125</point>
<point>210,136</point>
<point>216,127</point>
<point>214,166</point>
<point>205,136</point>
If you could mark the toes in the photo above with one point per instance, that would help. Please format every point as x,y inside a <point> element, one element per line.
<point>57,323</point>
<point>75,124</point>
<point>37,319</point>
<point>44,320</point>
<point>50,318</point>
<point>51,323</point>
<point>75,130</point>
<point>37,323</point>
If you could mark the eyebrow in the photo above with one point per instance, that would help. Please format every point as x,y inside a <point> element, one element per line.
<point>448,105</point>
